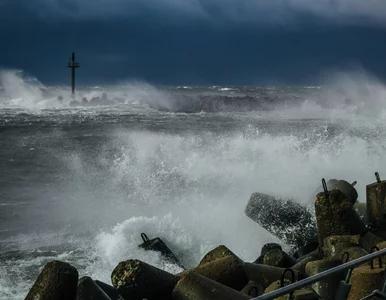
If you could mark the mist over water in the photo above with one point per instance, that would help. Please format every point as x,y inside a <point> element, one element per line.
<point>80,183</point>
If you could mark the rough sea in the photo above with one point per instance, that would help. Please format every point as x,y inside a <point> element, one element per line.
<point>79,182</point>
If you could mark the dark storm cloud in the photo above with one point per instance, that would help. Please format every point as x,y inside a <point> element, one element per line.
<point>192,41</point>
<point>251,11</point>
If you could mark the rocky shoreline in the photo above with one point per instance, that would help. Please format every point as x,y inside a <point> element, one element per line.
<point>340,230</point>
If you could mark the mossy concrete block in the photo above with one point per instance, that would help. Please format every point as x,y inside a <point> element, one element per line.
<point>266,274</point>
<point>369,240</point>
<point>302,294</point>
<point>300,266</point>
<point>333,245</point>
<point>217,253</point>
<point>268,247</point>
<point>89,290</point>
<point>365,280</point>
<point>228,271</point>
<point>335,215</point>
<point>197,287</point>
<point>326,288</point>
<point>376,205</point>
<point>278,258</point>
<point>136,280</point>
<point>57,281</point>
<point>353,253</point>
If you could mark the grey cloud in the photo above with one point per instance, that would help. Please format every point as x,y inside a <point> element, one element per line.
<point>255,11</point>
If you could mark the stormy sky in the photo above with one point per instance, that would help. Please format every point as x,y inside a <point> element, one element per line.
<point>206,42</point>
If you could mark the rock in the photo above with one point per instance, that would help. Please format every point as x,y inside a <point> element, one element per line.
<point>57,281</point>
<point>376,204</point>
<point>136,280</point>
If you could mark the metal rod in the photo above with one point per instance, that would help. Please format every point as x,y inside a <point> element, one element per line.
<point>320,276</point>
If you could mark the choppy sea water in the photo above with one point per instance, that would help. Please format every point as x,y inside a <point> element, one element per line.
<point>80,183</point>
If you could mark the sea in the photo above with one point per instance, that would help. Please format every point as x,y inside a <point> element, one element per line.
<point>81,177</point>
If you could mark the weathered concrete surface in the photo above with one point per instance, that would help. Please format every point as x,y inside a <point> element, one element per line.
<point>266,274</point>
<point>228,271</point>
<point>333,245</point>
<point>196,287</point>
<point>364,280</point>
<point>136,280</point>
<point>283,218</point>
<point>57,281</point>
<point>89,290</point>
<point>335,215</point>
<point>278,258</point>
<point>325,288</point>
<point>376,205</point>
<point>217,253</point>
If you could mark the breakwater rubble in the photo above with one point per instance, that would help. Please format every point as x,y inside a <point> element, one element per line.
<point>337,230</point>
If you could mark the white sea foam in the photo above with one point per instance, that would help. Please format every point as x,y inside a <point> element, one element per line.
<point>191,189</point>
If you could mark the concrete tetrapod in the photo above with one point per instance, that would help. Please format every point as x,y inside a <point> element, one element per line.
<point>197,287</point>
<point>278,258</point>
<point>136,280</point>
<point>347,189</point>
<point>369,240</point>
<point>334,244</point>
<point>89,290</point>
<point>111,291</point>
<point>335,215</point>
<point>365,279</point>
<point>227,270</point>
<point>302,294</point>
<point>253,289</point>
<point>282,218</point>
<point>376,204</point>
<point>266,274</point>
<point>57,281</point>
<point>218,252</point>
<point>159,245</point>
<point>326,288</point>
<point>301,264</point>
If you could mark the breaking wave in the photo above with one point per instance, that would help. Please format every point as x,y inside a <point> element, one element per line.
<point>344,93</point>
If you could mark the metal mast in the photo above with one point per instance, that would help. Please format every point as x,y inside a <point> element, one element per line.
<point>73,65</point>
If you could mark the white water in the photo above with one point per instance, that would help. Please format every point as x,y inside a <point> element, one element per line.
<point>191,189</point>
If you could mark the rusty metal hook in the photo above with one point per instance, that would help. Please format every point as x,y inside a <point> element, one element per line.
<point>379,259</point>
<point>145,238</point>
<point>344,256</point>
<point>377,177</point>
<point>325,187</point>
<point>292,280</point>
